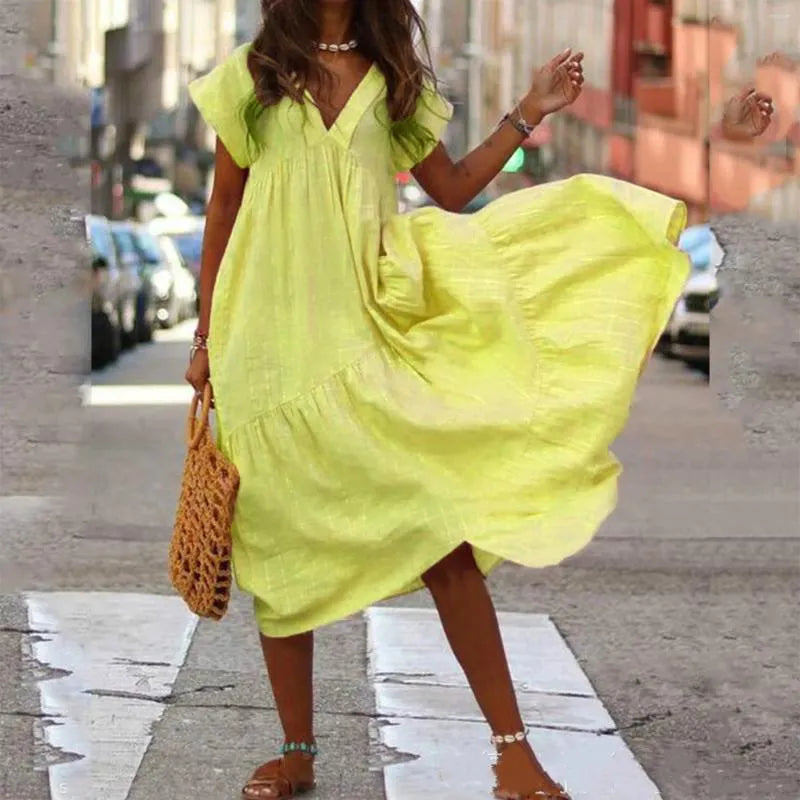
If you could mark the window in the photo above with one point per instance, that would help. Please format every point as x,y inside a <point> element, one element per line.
<point>125,243</point>
<point>190,245</point>
<point>148,246</point>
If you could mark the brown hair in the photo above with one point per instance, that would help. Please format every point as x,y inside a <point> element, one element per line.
<point>283,58</point>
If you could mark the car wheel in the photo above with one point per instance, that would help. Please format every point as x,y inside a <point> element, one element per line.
<point>664,346</point>
<point>700,364</point>
<point>127,315</point>
<point>105,342</point>
<point>145,331</point>
<point>145,319</point>
<point>175,310</point>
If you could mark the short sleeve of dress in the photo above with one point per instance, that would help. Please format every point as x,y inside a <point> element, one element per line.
<point>432,116</point>
<point>221,97</point>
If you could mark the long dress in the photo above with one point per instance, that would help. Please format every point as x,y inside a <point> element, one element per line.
<point>391,386</point>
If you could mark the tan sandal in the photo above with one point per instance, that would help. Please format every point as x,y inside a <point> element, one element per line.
<point>270,782</point>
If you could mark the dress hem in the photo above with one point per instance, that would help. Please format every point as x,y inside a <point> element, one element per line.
<point>488,557</point>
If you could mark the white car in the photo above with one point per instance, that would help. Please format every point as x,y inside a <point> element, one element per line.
<point>688,331</point>
<point>186,233</point>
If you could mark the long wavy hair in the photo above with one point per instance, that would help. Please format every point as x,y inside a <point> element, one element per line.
<point>283,59</point>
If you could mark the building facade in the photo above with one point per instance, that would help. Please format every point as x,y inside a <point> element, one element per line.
<point>719,47</point>
<point>134,59</point>
<point>657,75</point>
<point>485,53</point>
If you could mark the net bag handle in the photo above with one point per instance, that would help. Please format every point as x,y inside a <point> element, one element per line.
<point>195,427</point>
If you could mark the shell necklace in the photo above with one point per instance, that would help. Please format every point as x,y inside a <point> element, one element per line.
<point>344,47</point>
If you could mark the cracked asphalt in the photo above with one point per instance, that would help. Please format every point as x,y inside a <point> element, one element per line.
<point>683,612</point>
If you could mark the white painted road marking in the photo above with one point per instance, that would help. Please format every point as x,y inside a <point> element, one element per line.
<point>137,395</point>
<point>14,508</point>
<point>421,693</point>
<point>121,654</point>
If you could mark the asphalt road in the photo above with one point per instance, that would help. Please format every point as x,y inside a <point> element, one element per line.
<point>682,612</point>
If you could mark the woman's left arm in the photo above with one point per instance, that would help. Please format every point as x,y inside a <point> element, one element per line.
<point>453,184</point>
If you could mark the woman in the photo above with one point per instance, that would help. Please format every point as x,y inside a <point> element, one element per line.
<point>409,399</point>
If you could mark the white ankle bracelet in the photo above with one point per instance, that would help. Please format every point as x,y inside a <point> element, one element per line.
<point>509,738</point>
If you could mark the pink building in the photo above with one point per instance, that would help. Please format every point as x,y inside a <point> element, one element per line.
<point>677,148</point>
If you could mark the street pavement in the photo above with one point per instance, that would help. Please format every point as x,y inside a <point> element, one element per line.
<point>756,329</point>
<point>663,655</point>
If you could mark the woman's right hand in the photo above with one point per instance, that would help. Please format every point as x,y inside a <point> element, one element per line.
<point>198,373</point>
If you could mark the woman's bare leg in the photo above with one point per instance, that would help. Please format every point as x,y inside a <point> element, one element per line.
<point>470,624</point>
<point>290,666</point>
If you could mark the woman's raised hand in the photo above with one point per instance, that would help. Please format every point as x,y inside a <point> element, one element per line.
<point>556,84</point>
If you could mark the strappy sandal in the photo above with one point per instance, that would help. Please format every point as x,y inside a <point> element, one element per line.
<point>271,782</point>
<point>557,793</point>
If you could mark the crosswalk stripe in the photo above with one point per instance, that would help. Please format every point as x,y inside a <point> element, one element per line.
<point>116,656</point>
<point>136,395</point>
<point>430,715</point>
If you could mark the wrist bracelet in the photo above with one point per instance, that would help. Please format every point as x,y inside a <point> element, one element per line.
<point>195,349</point>
<point>200,342</point>
<point>520,125</point>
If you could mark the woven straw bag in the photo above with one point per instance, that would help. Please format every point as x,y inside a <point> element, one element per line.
<point>200,551</point>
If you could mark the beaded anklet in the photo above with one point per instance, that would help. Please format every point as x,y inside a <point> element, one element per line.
<point>299,747</point>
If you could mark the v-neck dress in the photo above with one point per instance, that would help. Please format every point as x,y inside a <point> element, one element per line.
<point>391,386</point>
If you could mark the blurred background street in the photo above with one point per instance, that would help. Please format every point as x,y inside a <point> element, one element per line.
<point>680,632</point>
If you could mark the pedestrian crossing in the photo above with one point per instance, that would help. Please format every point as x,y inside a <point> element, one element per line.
<point>421,693</point>
<point>113,660</point>
<point>115,657</point>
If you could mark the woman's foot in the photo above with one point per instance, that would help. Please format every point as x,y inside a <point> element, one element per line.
<point>281,779</point>
<point>520,776</point>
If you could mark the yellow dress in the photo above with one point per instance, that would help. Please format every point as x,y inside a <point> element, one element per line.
<point>391,386</point>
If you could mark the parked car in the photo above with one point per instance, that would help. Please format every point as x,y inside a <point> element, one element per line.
<point>162,275</point>
<point>114,291</point>
<point>687,333</point>
<point>690,323</point>
<point>176,295</point>
<point>135,256</point>
<point>186,233</point>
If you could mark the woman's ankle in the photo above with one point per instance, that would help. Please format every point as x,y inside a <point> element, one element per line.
<point>301,748</point>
